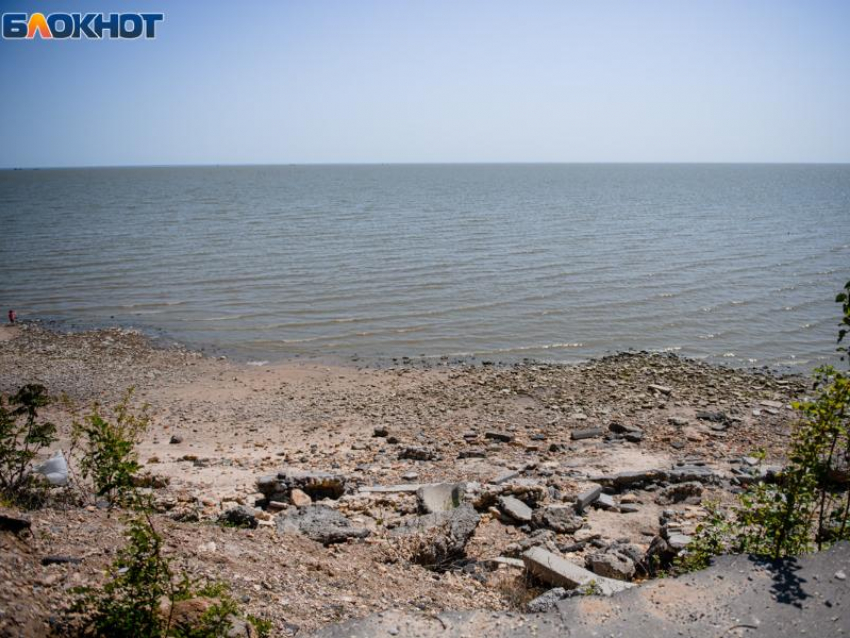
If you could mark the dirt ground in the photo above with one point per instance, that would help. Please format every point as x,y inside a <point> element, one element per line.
<point>217,426</point>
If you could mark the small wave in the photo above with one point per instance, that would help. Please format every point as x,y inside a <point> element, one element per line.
<point>257,363</point>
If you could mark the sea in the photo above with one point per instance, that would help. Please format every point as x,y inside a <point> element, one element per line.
<point>735,264</point>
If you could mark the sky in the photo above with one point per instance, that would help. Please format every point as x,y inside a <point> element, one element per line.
<point>314,81</point>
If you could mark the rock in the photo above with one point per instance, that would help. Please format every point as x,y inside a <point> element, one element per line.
<point>381,432</point>
<point>681,474</point>
<point>506,560</point>
<point>546,602</point>
<point>559,572</point>
<point>715,417</point>
<point>317,485</point>
<point>239,516</point>
<point>504,437</point>
<point>515,508</point>
<point>320,523</point>
<point>561,519</point>
<point>504,477</point>
<point>605,502</point>
<point>151,481</point>
<point>620,428</point>
<point>61,560</point>
<point>14,524</point>
<point>586,433</point>
<point>678,541</point>
<point>840,575</point>
<point>390,489</point>
<point>611,565</point>
<point>628,479</point>
<point>175,439</point>
<point>587,497</point>
<point>240,628</point>
<point>299,498</point>
<point>472,453</point>
<point>659,556</point>
<point>678,421</point>
<point>418,453</point>
<point>187,615</point>
<point>444,534</point>
<point>688,473</point>
<point>661,389</point>
<point>690,492</point>
<point>776,405</point>
<point>439,497</point>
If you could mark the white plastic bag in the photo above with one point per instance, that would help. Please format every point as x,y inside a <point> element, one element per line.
<point>55,469</point>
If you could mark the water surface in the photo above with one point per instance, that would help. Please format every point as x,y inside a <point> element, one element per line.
<point>735,263</point>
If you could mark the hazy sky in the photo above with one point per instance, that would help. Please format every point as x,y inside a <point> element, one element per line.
<point>436,81</point>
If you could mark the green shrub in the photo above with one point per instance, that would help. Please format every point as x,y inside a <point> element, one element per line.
<point>22,438</point>
<point>709,540</point>
<point>808,506</point>
<point>143,598</point>
<point>108,445</point>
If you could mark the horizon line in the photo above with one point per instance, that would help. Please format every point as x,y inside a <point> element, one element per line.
<point>446,163</point>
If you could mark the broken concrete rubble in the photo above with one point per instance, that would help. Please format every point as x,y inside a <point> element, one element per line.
<point>611,564</point>
<point>443,535</point>
<point>559,518</point>
<point>587,497</point>
<point>439,497</point>
<point>560,572</point>
<point>319,523</point>
<point>515,509</point>
<point>317,485</point>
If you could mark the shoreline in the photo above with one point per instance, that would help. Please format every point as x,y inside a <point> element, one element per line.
<point>218,426</point>
<point>158,340</point>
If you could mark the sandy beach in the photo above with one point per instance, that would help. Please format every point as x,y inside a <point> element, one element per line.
<point>218,426</point>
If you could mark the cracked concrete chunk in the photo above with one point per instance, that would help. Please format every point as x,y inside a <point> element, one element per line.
<point>439,497</point>
<point>560,572</point>
<point>515,508</point>
<point>559,518</point>
<point>319,523</point>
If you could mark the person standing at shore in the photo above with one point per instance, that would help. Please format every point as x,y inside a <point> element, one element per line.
<point>13,317</point>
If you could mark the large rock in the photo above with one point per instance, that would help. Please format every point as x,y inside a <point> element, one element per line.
<point>559,518</point>
<point>439,497</point>
<point>443,535</point>
<point>320,523</point>
<point>690,492</point>
<point>611,565</point>
<point>586,433</point>
<point>689,473</point>
<point>559,572</point>
<point>317,485</point>
<point>630,479</point>
<point>515,509</point>
<point>587,497</point>
<point>418,453</point>
<point>240,516</point>
<point>682,474</point>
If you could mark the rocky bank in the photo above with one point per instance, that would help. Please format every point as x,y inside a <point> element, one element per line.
<point>412,488</point>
